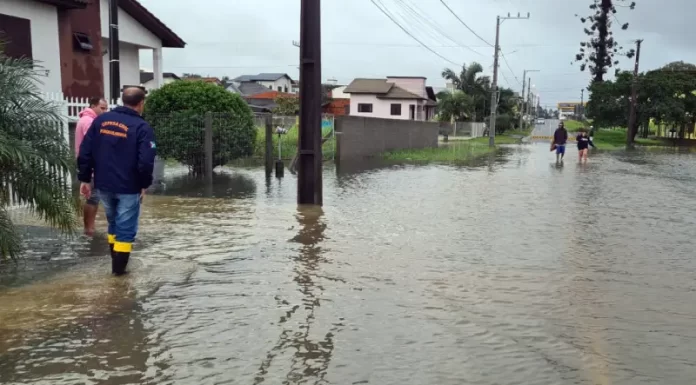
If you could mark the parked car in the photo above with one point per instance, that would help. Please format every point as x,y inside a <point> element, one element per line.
<point>540,121</point>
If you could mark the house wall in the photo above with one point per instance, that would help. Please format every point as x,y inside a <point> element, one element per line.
<point>151,84</point>
<point>413,85</point>
<point>282,82</point>
<point>381,108</point>
<point>129,30</point>
<point>337,93</point>
<point>360,137</point>
<point>129,56</point>
<point>44,37</point>
<point>80,69</point>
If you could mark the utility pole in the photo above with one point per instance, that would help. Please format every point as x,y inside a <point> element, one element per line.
<point>582,104</point>
<point>114,64</point>
<point>630,134</point>
<point>529,96</point>
<point>524,107</point>
<point>494,88</point>
<point>309,179</point>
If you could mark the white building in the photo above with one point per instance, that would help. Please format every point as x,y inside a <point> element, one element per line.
<point>280,82</point>
<point>69,39</point>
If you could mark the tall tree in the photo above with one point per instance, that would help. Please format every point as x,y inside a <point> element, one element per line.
<point>599,52</point>
<point>470,81</point>
<point>456,106</point>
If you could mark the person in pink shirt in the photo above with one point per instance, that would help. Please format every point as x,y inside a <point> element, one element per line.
<point>97,106</point>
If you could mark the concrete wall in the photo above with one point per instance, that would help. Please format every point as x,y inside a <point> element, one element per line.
<point>359,137</point>
<point>44,37</point>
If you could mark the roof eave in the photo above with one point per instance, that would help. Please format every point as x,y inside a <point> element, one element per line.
<point>169,38</point>
<point>66,4</point>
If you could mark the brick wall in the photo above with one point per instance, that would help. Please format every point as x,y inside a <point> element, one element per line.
<point>359,137</point>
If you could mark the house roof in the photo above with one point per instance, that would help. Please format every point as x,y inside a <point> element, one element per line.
<point>406,77</point>
<point>147,76</point>
<point>67,3</point>
<point>397,92</point>
<point>262,77</point>
<point>151,22</point>
<point>380,87</point>
<point>431,93</point>
<point>368,86</point>
<point>251,88</point>
<point>269,95</point>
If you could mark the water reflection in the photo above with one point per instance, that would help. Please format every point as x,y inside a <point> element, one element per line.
<point>77,328</point>
<point>312,350</point>
<point>225,184</point>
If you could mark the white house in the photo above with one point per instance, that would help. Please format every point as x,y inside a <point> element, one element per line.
<point>69,39</point>
<point>280,82</point>
<point>147,79</point>
<point>397,97</point>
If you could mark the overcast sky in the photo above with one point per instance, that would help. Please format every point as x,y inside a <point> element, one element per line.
<point>235,37</point>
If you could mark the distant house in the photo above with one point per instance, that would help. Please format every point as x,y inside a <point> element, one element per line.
<point>280,82</point>
<point>70,38</point>
<point>295,87</point>
<point>147,79</point>
<point>396,97</point>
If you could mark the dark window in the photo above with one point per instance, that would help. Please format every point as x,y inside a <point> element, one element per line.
<point>412,111</point>
<point>286,89</point>
<point>280,89</point>
<point>396,109</point>
<point>82,42</point>
<point>364,107</point>
<point>15,36</point>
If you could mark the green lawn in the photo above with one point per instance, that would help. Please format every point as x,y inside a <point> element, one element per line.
<point>616,139</point>
<point>289,144</point>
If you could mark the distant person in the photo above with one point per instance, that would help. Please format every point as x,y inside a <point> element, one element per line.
<point>560,138</point>
<point>97,106</point>
<point>119,149</point>
<point>583,141</point>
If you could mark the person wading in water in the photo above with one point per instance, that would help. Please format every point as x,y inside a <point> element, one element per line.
<point>119,149</point>
<point>560,137</point>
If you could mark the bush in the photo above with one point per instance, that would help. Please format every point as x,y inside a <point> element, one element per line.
<point>177,114</point>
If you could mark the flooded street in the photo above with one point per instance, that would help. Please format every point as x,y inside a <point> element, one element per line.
<point>509,271</point>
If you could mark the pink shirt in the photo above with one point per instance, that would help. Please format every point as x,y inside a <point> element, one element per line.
<point>87,116</point>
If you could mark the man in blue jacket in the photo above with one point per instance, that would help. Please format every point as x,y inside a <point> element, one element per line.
<point>119,150</point>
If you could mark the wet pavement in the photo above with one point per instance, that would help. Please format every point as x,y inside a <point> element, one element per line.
<point>512,270</point>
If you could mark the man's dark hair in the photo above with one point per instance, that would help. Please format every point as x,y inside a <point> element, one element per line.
<point>132,96</point>
<point>95,101</point>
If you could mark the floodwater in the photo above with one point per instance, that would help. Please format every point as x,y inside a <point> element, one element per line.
<point>512,270</point>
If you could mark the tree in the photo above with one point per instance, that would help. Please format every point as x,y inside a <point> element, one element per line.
<point>287,105</point>
<point>177,114</point>
<point>456,106</point>
<point>599,51</point>
<point>478,87</point>
<point>34,155</point>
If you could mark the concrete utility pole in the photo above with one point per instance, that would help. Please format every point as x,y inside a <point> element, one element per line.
<point>582,104</point>
<point>630,134</point>
<point>309,179</point>
<point>524,107</point>
<point>494,88</point>
<point>114,63</point>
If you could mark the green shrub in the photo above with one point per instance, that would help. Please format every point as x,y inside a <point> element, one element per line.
<point>177,114</point>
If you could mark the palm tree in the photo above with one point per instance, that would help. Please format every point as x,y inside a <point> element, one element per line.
<point>34,156</point>
<point>470,82</point>
<point>456,106</point>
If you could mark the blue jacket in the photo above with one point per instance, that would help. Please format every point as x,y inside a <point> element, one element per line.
<point>119,150</point>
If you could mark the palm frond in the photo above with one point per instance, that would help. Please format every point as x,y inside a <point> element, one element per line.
<point>35,158</point>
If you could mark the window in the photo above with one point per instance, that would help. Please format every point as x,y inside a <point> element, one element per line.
<point>365,107</point>
<point>280,89</point>
<point>82,42</point>
<point>396,109</point>
<point>15,34</point>
<point>286,89</point>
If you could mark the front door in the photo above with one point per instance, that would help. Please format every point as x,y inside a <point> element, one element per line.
<point>412,112</point>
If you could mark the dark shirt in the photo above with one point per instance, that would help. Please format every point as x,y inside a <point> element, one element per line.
<point>560,137</point>
<point>583,142</point>
<point>119,149</point>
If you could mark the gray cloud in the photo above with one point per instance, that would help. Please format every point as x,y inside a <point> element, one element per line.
<point>233,37</point>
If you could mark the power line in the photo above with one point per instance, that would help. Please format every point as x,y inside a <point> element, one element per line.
<point>419,14</point>
<point>508,66</point>
<point>411,35</point>
<point>464,24</point>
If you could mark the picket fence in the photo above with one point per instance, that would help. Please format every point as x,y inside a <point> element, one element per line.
<point>69,108</point>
